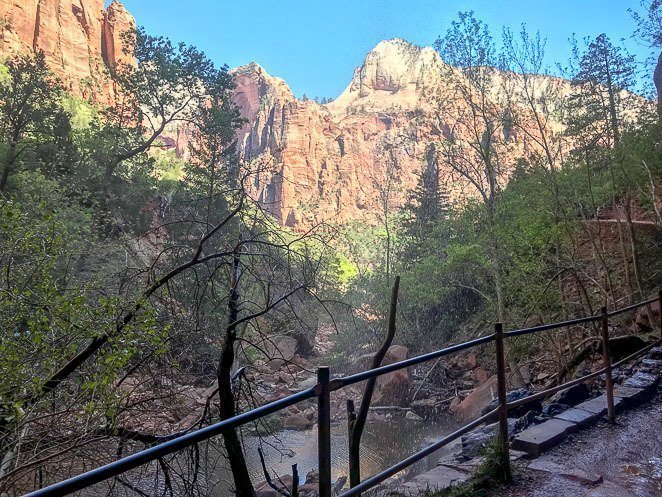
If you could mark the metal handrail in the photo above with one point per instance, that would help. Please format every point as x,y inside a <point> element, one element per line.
<point>632,307</point>
<point>322,390</point>
<point>146,456</point>
<point>553,326</point>
<point>550,391</point>
<point>339,383</point>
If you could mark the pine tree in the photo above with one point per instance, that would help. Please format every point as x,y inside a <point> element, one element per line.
<point>428,202</point>
<point>602,83</point>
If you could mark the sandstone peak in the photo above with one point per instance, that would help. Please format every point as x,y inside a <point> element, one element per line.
<point>117,23</point>
<point>267,85</point>
<point>391,76</point>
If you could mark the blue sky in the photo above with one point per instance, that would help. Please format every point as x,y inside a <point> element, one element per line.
<point>315,45</point>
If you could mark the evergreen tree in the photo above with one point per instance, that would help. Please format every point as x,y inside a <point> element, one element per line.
<point>604,77</point>
<point>428,202</point>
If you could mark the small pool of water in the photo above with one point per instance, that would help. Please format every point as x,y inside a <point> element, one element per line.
<point>384,444</point>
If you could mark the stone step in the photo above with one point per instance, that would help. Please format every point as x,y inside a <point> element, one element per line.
<point>631,396</point>
<point>437,479</point>
<point>549,466</point>
<point>578,416</point>
<point>536,439</point>
<point>598,405</point>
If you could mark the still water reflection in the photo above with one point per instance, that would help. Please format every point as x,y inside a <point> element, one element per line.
<point>384,444</point>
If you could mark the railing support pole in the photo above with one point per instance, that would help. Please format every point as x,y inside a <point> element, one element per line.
<point>609,381</point>
<point>324,432</point>
<point>502,393</point>
<point>659,306</point>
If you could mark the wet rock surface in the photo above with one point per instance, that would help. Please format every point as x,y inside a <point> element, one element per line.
<point>605,460</point>
<point>573,395</point>
<point>621,460</point>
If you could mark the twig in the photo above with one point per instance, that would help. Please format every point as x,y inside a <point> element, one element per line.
<point>282,491</point>
<point>425,378</point>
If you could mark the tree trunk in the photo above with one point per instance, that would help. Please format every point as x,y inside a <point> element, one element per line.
<point>357,423</point>
<point>8,165</point>
<point>657,79</point>
<point>515,374</point>
<point>633,246</point>
<point>242,479</point>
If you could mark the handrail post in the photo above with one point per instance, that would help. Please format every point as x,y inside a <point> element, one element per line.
<point>324,432</point>
<point>502,393</point>
<point>609,381</point>
<point>659,303</point>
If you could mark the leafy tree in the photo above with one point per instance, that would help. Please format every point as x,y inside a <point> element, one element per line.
<point>30,109</point>
<point>649,24</point>
<point>477,144</point>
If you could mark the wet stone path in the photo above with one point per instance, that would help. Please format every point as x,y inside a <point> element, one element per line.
<point>622,460</point>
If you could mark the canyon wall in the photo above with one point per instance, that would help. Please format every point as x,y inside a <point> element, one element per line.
<point>79,38</point>
<point>360,154</point>
<point>353,158</point>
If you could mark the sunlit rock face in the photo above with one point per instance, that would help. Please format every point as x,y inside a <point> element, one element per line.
<point>352,159</point>
<point>359,155</point>
<point>327,162</point>
<point>79,38</point>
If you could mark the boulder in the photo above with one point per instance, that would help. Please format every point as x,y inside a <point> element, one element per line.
<point>572,396</point>
<point>554,408</point>
<point>312,477</point>
<point>279,393</point>
<point>480,375</point>
<point>426,408</point>
<point>644,315</point>
<point>411,416</point>
<point>474,442</point>
<point>471,407</point>
<point>642,380</point>
<point>297,422</point>
<point>467,362</point>
<point>623,346</point>
<point>395,353</point>
<point>455,404</point>
<point>280,347</point>
<point>275,364</point>
<point>307,383</point>
<point>512,396</point>
<point>393,389</point>
<point>263,489</point>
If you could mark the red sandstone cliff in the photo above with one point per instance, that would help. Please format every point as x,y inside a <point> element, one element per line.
<point>80,39</point>
<point>335,162</point>
<point>331,162</point>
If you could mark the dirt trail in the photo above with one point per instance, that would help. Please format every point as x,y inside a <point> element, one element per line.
<point>624,460</point>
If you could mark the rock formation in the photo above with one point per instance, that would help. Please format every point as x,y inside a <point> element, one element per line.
<point>80,40</point>
<point>346,160</point>
<point>353,157</point>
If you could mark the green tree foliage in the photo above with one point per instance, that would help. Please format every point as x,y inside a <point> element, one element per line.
<point>603,83</point>
<point>30,103</point>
